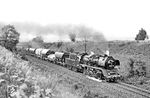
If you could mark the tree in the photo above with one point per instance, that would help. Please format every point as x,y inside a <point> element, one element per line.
<point>70,49</point>
<point>9,37</point>
<point>142,35</point>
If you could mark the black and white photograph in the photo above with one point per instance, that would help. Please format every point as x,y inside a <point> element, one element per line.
<point>74,49</point>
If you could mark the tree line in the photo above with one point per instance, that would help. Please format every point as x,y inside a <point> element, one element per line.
<point>9,37</point>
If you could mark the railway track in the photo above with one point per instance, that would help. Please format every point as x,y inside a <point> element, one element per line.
<point>120,86</point>
<point>134,89</point>
<point>130,88</point>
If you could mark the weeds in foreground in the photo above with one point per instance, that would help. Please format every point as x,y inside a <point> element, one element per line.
<point>136,72</point>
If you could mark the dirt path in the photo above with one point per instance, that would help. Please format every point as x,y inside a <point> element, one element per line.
<point>102,88</point>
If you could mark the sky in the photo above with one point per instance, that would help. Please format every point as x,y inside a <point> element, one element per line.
<point>116,19</point>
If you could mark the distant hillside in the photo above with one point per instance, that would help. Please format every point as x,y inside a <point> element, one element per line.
<point>115,47</point>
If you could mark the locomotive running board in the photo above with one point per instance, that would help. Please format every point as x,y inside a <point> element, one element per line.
<point>104,72</point>
<point>92,78</point>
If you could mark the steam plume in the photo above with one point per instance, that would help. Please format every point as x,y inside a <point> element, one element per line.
<point>59,32</point>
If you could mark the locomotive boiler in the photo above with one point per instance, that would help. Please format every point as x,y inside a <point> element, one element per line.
<point>101,67</point>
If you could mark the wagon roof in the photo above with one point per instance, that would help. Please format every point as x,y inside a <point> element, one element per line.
<point>31,49</point>
<point>59,54</point>
<point>38,50</point>
<point>44,51</point>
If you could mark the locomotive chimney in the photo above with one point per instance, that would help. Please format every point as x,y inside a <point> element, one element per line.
<point>107,52</point>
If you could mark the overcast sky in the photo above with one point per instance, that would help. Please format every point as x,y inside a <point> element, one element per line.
<point>116,19</point>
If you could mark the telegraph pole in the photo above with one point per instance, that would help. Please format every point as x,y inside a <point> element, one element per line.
<point>85,45</point>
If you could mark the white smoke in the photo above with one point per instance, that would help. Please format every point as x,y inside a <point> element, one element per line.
<point>56,32</point>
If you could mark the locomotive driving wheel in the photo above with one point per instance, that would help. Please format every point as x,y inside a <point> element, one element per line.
<point>87,71</point>
<point>99,75</point>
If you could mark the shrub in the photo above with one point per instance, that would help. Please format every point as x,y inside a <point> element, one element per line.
<point>142,35</point>
<point>59,44</point>
<point>70,50</point>
<point>90,94</point>
<point>121,45</point>
<point>136,67</point>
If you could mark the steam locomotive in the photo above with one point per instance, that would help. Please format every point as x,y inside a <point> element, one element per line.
<point>102,67</point>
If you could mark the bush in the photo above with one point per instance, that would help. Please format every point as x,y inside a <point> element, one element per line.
<point>142,35</point>
<point>136,72</point>
<point>121,45</point>
<point>70,50</point>
<point>93,95</point>
<point>137,67</point>
<point>59,44</point>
